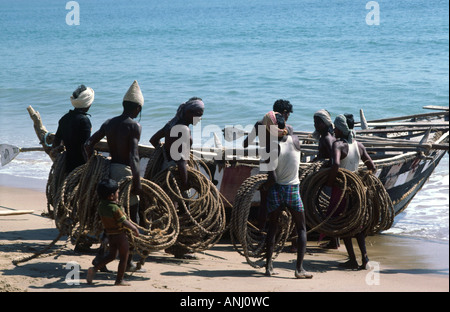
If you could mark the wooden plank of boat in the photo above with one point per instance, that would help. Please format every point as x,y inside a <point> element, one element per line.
<point>436,107</point>
<point>408,124</point>
<point>15,212</point>
<point>399,130</point>
<point>407,144</point>
<point>409,117</point>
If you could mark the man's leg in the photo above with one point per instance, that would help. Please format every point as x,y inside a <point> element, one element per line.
<point>352,263</point>
<point>361,239</point>
<point>300,224</point>
<point>270,240</point>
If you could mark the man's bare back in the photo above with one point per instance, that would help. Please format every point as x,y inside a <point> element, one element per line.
<point>121,132</point>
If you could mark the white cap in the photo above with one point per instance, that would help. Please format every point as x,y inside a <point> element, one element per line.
<point>134,94</point>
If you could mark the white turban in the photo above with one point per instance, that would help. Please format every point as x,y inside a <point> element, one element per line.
<point>84,99</point>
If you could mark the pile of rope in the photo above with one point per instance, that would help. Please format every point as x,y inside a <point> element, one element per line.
<point>248,240</point>
<point>366,206</point>
<point>75,212</point>
<point>200,211</point>
<point>379,204</point>
<point>160,227</point>
<point>55,179</point>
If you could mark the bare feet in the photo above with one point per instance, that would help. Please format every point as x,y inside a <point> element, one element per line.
<point>350,264</point>
<point>303,274</point>
<point>270,271</point>
<point>121,283</point>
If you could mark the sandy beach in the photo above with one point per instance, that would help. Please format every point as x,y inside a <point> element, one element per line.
<point>399,264</point>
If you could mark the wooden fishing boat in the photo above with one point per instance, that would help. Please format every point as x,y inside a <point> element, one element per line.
<point>405,150</point>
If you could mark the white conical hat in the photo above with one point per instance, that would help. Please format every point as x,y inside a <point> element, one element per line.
<point>134,94</point>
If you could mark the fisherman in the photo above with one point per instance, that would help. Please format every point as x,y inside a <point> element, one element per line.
<point>346,153</point>
<point>74,128</point>
<point>177,148</point>
<point>325,133</point>
<point>283,107</point>
<point>283,190</point>
<point>177,137</point>
<point>123,134</point>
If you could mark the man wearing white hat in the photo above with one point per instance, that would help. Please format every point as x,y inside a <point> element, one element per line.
<point>74,128</point>
<point>123,134</point>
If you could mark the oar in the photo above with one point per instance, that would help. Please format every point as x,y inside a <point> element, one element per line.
<point>15,212</point>
<point>8,152</point>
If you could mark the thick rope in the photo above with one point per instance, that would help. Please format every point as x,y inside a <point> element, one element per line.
<point>247,239</point>
<point>201,211</point>
<point>75,212</point>
<point>368,207</point>
<point>379,204</point>
<point>56,177</point>
<point>161,226</point>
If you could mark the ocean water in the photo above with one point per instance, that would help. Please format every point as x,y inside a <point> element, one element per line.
<point>239,56</point>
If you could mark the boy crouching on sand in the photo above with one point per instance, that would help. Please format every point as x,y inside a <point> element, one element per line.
<point>115,223</point>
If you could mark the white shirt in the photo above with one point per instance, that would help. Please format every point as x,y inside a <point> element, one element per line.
<point>351,162</point>
<point>288,163</point>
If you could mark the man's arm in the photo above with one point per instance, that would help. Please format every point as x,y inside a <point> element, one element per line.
<point>134,158</point>
<point>93,140</point>
<point>156,138</point>
<point>366,158</point>
<point>335,163</point>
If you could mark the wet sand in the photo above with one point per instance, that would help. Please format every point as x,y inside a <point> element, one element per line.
<point>400,264</point>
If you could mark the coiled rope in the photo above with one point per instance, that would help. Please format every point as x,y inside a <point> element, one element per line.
<point>201,211</point>
<point>320,217</point>
<point>161,225</point>
<point>378,203</point>
<point>247,239</point>
<point>369,208</point>
<point>75,210</point>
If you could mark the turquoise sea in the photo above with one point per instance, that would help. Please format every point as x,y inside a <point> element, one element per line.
<point>239,56</point>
